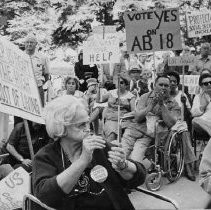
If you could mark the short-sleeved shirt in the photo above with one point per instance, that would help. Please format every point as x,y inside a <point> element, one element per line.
<point>200,64</point>
<point>18,139</point>
<point>40,67</point>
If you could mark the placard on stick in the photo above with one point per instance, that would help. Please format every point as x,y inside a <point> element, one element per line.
<point>18,88</point>
<point>153,30</point>
<point>198,23</point>
<point>13,188</point>
<point>181,60</point>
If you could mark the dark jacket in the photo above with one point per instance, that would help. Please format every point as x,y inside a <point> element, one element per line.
<point>48,164</point>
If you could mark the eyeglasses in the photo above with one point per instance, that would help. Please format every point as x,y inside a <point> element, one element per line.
<point>71,83</point>
<point>164,85</point>
<point>206,83</point>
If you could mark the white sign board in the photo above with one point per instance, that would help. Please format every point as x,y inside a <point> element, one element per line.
<point>181,60</point>
<point>198,23</point>
<point>13,188</point>
<point>153,30</point>
<point>19,94</point>
<point>192,81</point>
<point>99,51</point>
<point>104,29</point>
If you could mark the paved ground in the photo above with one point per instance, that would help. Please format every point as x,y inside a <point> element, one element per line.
<point>187,194</point>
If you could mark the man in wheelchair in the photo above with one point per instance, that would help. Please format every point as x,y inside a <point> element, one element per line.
<point>152,106</point>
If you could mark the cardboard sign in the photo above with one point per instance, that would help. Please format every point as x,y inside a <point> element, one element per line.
<point>19,94</point>
<point>181,60</point>
<point>13,188</point>
<point>192,81</point>
<point>198,23</point>
<point>99,50</point>
<point>153,30</point>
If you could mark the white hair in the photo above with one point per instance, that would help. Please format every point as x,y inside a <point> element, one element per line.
<point>62,112</point>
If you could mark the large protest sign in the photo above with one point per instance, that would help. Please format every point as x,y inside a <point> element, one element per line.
<point>153,30</point>
<point>99,50</point>
<point>181,60</point>
<point>13,188</point>
<point>19,94</point>
<point>198,23</point>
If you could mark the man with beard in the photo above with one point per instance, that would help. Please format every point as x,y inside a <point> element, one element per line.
<point>152,106</point>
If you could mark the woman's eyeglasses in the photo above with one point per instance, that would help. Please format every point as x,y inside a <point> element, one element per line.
<point>71,83</point>
<point>206,83</point>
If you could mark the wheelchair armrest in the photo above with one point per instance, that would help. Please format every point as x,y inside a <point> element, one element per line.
<point>128,117</point>
<point>29,197</point>
<point>161,197</point>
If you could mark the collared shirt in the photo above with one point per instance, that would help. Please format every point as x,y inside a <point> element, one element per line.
<point>200,64</point>
<point>40,67</point>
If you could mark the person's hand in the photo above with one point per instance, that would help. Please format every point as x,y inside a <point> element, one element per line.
<point>117,157</point>
<point>183,99</point>
<point>27,162</point>
<point>91,143</point>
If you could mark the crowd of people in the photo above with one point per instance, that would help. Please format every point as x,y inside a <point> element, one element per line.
<point>80,166</point>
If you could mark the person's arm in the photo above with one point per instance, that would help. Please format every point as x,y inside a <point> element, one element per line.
<point>205,169</point>
<point>46,69</point>
<point>142,109</point>
<point>11,149</point>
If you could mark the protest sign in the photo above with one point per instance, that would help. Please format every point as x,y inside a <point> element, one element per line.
<point>181,60</point>
<point>13,188</point>
<point>192,81</point>
<point>198,23</point>
<point>99,51</point>
<point>19,94</point>
<point>104,29</point>
<point>153,30</point>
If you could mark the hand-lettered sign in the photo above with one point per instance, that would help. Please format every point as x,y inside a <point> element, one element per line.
<point>181,60</point>
<point>19,94</point>
<point>198,23</point>
<point>13,188</point>
<point>153,30</point>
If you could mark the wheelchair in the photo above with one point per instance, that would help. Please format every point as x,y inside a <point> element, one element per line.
<point>166,157</point>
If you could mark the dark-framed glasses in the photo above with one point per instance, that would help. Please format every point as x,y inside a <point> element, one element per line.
<point>163,85</point>
<point>206,83</point>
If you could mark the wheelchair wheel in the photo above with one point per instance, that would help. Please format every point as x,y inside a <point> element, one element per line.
<point>174,157</point>
<point>153,181</point>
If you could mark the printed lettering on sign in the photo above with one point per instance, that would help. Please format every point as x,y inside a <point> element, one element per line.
<point>19,94</point>
<point>181,61</point>
<point>152,30</point>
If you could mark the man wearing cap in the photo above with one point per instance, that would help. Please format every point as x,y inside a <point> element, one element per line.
<point>203,61</point>
<point>39,64</point>
<point>137,86</point>
<point>94,96</point>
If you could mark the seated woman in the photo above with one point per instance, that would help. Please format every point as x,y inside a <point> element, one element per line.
<point>201,109</point>
<point>189,155</point>
<point>79,171</point>
<point>127,105</point>
<point>72,87</point>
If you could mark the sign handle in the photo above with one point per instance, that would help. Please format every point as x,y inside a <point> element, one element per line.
<point>119,126</point>
<point>29,140</point>
<point>183,91</point>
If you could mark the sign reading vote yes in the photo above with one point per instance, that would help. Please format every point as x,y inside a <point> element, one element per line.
<point>19,94</point>
<point>153,30</point>
<point>99,50</point>
<point>13,188</point>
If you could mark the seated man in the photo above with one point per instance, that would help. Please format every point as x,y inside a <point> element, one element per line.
<point>201,109</point>
<point>18,147</point>
<point>152,106</point>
